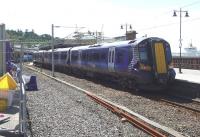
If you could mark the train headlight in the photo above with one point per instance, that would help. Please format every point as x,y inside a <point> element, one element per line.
<point>171,66</point>
<point>145,67</point>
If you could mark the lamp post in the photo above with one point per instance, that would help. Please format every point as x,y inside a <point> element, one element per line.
<point>180,39</point>
<point>52,47</point>
<point>126,27</point>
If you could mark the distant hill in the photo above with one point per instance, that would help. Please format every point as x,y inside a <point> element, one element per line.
<point>28,36</point>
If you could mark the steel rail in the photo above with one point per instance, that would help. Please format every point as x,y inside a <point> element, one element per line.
<point>196,101</point>
<point>179,105</point>
<point>139,124</point>
<point>189,99</point>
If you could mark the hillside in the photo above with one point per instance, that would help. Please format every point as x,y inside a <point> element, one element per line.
<point>28,36</point>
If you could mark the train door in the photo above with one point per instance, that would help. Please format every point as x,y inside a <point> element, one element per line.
<point>60,61</point>
<point>111,59</point>
<point>79,57</point>
<point>160,58</point>
<point>67,58</point>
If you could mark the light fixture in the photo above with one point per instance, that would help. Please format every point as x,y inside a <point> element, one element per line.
<point>130,27</point>
<point>174,15</point>
<point>186,14</point>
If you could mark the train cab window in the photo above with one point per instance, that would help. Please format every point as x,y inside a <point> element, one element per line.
<point>168,53</point>
<point>143,54</point>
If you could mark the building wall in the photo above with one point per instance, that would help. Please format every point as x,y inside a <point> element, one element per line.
<point>187,62</point>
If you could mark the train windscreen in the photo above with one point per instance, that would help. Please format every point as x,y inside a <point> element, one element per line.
<point>168,53</point>
<point>145,53</point>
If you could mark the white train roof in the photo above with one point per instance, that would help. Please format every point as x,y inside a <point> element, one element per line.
<point>80,48</point>
<point>62,49</point>
<point>106,45</point>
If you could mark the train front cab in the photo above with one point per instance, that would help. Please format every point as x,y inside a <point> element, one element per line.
<point>155,57</point>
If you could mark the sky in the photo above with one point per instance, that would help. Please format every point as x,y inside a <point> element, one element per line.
<point>151,18</point>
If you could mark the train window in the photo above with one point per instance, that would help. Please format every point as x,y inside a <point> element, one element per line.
<point>168,54</point>
<point>130,54</point>
<point>113,54</point>
<point>95,57</point>
<point>74,56</point>
<point>63,56</point>
<point>84,56</point>
<point>98,56</point>
<point>119,57</point>
<point>143,54</point>
<point>109,56</point>
<point>56,55</point>
<point>89,57</point>
<point>49,55</point>
<point>103,56</point>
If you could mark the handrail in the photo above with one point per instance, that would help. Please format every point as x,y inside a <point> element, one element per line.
<point>22,112</point>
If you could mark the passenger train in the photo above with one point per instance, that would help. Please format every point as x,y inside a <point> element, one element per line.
<point>144,63</point>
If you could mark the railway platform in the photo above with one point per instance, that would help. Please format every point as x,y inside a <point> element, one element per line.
<point>188,75</point>
<point>188,83</point>
<point>9,109</point>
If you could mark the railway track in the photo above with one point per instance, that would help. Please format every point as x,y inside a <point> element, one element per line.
<point>191,104</point>
<point>137,120</point>
<point>195,101</point>
<point>181,106</point>
<point>137,123</point>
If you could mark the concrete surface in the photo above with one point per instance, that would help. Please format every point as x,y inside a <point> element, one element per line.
<point>12,123</point>
<point>188,75</point>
